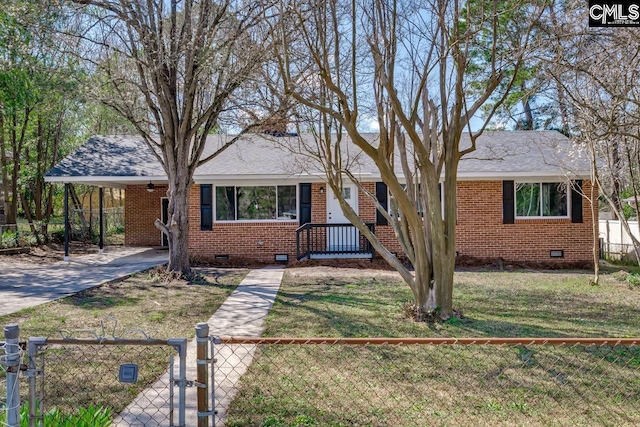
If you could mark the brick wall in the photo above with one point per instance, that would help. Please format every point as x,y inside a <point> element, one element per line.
<point>259,241</point>
<point>319,203</point>
<point>480,232</point>
<point>141,209</point>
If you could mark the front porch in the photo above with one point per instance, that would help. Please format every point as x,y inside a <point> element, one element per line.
<point>327,241</point>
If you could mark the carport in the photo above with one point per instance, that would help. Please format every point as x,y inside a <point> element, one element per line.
<point>105,164</point>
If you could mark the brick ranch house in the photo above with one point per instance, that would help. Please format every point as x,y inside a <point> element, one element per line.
<point>519,199</point>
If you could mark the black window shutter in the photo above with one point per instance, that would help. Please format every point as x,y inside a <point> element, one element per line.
<point>508,203</point>
<point>305,204</point>
<point>206,206</point>
<point>576,201</point>
<point>382,196</point>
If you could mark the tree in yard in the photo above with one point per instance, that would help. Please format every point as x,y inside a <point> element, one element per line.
<point>37,97</point>
<point>604,107</point>
<point>174,69</point>
<point>421,70</point>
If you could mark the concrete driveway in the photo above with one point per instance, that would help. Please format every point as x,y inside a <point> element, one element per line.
<point>26,285</point>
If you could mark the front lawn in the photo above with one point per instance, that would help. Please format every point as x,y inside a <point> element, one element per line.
<point>342,385</point>
<point>149,304</point>
<point>357,303</point>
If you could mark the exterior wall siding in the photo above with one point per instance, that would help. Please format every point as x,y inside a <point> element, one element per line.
<point>480,232</point>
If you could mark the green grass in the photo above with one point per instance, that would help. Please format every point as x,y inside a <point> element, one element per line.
<point>91,416</point>
<point>370,385</point>
<point>147,301</point>
<point>500,304</point>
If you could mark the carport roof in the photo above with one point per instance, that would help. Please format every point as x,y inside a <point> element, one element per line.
<point>121,159</point>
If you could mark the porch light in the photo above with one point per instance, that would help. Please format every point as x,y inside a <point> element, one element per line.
<point>150,187</point>
<point>321,190</point>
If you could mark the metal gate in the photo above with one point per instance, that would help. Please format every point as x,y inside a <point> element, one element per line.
<point>135,378</point>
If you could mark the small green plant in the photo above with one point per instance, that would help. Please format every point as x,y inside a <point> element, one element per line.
<point>116,229</point>
<point>57,236</point>
<point>93,416</point>
<point>27,239</point>
<point>9,239</point>
<point>273,422</point>
<point>633,280</point>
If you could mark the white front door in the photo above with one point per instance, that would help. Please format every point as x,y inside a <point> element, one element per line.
<point>342,238</point>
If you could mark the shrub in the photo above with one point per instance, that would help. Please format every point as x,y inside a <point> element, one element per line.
<point>9,239</point>
<point>57,236</point>
<point>633,279</point>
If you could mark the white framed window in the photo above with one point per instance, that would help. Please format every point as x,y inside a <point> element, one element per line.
<point>542,199</point>
<point>256,203</point>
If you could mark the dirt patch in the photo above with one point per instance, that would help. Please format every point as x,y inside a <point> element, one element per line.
<point>466,263</point>
<point>231,262</point>
<point>324,271</point>
<point>377,263</point>
<point>48,254</point>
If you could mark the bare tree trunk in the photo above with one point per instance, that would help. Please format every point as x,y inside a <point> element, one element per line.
<point>4,164</point>
<point>188,61</point>
<point>177,226</point>
<point>40,154</point>
<point>27,214</point>
<point>527,123</point>
<point>594,221</point>
<point>77,205</point>
<point>613,158</point>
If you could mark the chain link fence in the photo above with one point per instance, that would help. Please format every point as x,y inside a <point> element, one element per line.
<point>422,382</point>
<point>84,226</point>
<point>133,379</point>
<point>331,381</point>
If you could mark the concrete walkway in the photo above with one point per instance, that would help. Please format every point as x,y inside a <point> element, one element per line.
<point>242,314</point>
<point>26,285</point>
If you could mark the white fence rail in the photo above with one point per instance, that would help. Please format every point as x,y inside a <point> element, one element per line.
<point>615,242</point>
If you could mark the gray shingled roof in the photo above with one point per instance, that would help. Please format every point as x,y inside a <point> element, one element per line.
<point>128,159</point>
<point>109,156</point>
<point>524,152</point>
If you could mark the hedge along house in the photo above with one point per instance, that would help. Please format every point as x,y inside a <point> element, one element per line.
<point>520,199</point>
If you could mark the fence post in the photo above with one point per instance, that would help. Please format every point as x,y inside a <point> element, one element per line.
<point>36,403</point>
<point>180,344</point>
<point>12,351</point>
<point>202,347</point>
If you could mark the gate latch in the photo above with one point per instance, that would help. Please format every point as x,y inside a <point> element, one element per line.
<point>190,383</point>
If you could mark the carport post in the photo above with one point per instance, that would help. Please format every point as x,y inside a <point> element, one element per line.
<point>66,221</point>
<point>101,241</point>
